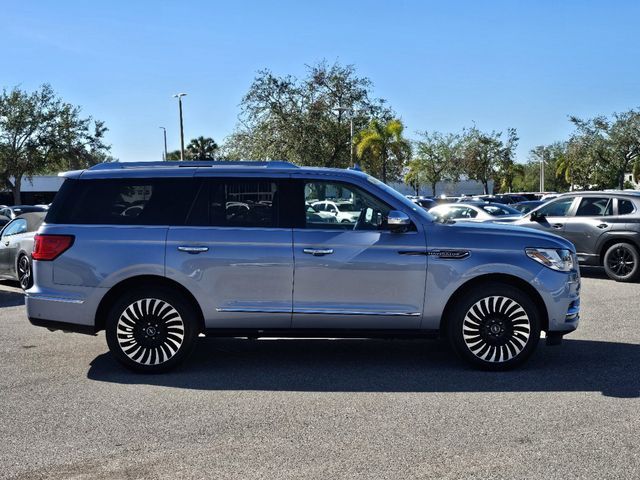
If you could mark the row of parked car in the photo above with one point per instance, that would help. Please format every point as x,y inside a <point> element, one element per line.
<point>19,224</point>
<point>603,226</point>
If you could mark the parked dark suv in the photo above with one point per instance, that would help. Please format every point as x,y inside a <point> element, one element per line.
<point>604,227</point>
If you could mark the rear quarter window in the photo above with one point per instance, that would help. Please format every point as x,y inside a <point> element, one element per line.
<point>160,201</point>
<point>625,207</point>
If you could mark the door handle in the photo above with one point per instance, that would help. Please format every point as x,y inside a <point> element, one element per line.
<point>318,252</point>
<point>557,226</point>
<point>192,249</point>
<point>603,225</point>
<point>6,244</point>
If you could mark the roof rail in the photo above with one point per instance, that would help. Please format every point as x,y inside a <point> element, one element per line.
<point>195,163</point>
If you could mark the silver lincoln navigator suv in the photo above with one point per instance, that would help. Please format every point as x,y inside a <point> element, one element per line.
<point>156,254</point>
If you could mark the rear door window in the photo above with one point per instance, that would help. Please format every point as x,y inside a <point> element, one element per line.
<point>595,207</point>
<point>237,202</point>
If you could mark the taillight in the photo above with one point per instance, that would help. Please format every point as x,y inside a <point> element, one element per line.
<point>50,247</point>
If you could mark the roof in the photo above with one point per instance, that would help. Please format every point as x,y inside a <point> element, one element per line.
<point>191,168</point>
<point>629,193</point>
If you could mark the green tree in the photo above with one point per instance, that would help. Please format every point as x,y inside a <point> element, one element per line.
<point>382,149</point>
<point>305,121</point>
<point>556,166</point>
<point>481,154</point>
<point>507,169</point>
<point>611,144</point>
<point>39,133</point>
<point>437,158</point>
<point>202,148</point>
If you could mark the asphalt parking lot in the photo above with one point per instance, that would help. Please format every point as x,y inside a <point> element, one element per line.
<point>325,409</point>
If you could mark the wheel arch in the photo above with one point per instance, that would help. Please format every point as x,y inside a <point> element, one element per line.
<point>507,279</point>
<point>612,240</point>
<point>143,281</point>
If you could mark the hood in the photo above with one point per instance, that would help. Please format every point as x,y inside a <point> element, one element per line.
<point>500,235</point>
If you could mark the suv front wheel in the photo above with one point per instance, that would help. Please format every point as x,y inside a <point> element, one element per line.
<point>151,330</point>
<point>494,326</point>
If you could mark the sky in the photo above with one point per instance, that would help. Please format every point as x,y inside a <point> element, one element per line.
<point>441,65</point>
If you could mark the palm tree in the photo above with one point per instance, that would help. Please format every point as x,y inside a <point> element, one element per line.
<point>202,148</point>
<point>382,143</point>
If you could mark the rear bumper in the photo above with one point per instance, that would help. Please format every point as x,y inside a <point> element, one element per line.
<point>64,326</point>
<point>71,310</point>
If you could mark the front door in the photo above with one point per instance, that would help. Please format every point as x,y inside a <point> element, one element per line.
<point>233,256</point>
<point>551,217</point>
<point>10,239</point>
<point>356,274</point>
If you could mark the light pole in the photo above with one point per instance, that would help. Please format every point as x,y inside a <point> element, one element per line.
<point>542,173</point>
<point>179,97</point>
<point>164,131</point>
<point>350,111</point>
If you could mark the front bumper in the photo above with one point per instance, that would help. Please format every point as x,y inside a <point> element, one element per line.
<point>561,295</point>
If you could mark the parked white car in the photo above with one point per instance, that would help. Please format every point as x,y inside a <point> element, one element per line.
<point>478,212</point>
<point>345,212</point>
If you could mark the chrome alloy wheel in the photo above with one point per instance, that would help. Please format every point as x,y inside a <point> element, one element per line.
<point>150,331</point>
<point>24,272</point>
<point>496,329</point>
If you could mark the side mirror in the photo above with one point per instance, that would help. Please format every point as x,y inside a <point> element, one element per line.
<point>398,221</point>
<point>537,216</point>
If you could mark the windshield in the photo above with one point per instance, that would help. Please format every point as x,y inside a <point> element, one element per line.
<point>401,198</point>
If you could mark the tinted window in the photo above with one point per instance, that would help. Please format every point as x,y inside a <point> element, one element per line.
<point>499,210</point>
<point>559,208</point>
<point>236,203</point>
<point>595,207</point>
<point>164,201</point>
<point>625,207</point>
<point>15,227</point>
<point>358,209</point>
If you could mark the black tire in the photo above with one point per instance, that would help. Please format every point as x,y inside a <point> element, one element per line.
<point>622,262</point>
<point>152,329</point>
<point>494,326</point>
<point>24,271</point>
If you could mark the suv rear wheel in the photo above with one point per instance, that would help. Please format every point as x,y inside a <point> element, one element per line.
<point>151,330</point>
<point>622,262</point>
<point>495,326</point>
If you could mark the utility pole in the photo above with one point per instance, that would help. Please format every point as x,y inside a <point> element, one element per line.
<point>179,97</point>
<point>164,131</point>
<point>542,173</point>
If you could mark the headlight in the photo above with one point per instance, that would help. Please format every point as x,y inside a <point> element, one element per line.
<point>561,259</point>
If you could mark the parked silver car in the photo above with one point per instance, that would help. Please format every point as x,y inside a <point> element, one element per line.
<point>16,245</point>
<point>187,262</point>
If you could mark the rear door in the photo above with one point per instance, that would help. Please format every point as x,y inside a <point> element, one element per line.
<point>357,274</point>
<point>593,217</point>
<point>235,253</point>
